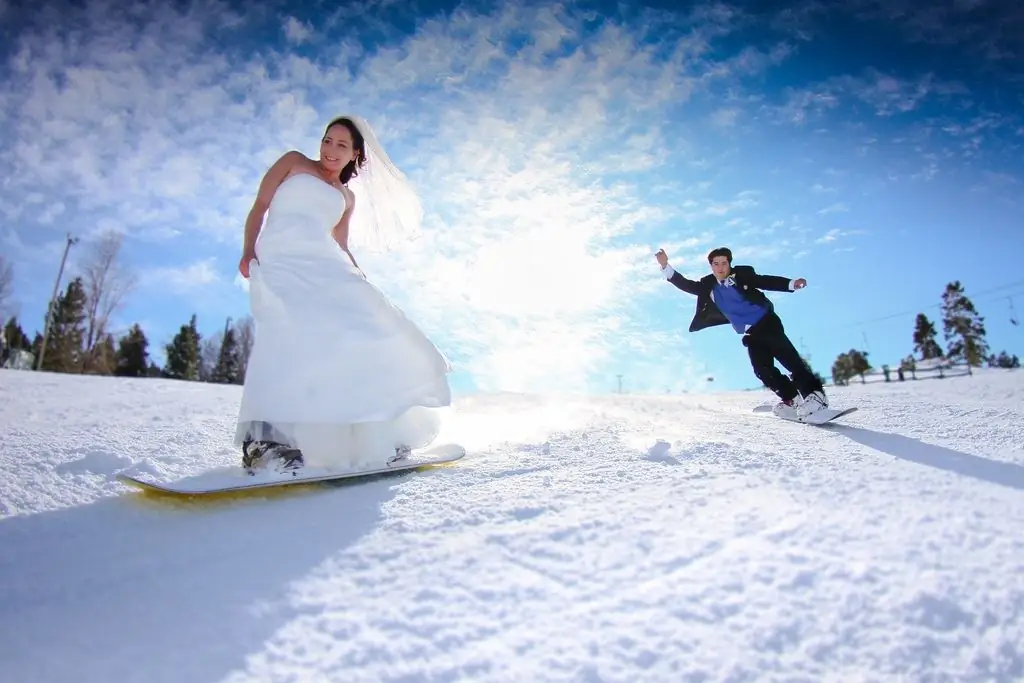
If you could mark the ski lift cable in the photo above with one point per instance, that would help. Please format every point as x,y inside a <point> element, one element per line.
<point>979,296</point>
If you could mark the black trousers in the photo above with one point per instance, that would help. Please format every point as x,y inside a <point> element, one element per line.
<point>766,343</point>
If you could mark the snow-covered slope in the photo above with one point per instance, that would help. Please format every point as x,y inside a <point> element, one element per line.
<point>623,538</point>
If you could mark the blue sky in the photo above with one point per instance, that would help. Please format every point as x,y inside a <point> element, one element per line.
<point>874,149</point>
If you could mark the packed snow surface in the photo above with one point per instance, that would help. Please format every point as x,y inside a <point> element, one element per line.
<point>624,538</point>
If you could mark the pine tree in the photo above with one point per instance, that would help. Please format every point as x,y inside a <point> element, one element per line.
<point>14,349</point>
<point>132,354</point>
<point>64,345</point>
<point>37,345</point>
<point>15,336</point>
<point>183,353</point>
<point>963,327</point>
<point>228,363</point>
<point>925,344</point>
<point>102,360</point>
<point>849,365</point>
<point>841,371</point>
<point>1003,360</point>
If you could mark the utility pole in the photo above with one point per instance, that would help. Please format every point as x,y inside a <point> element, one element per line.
<point>53,300</point>
<point>620,382</point>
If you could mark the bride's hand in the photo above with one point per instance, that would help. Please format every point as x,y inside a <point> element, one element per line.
<point>243,264</point>
<point>354,264</point>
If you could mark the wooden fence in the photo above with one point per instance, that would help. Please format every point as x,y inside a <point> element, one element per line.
<point>920,372</point>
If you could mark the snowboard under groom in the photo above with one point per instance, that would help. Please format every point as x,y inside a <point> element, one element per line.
<point>732,295</point>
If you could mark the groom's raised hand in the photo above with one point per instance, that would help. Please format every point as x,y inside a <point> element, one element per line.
<point>662,258</point>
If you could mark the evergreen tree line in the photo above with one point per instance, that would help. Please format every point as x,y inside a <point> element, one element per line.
<point>221,358</point>
<point>964,335</point>
<point>79,339</point>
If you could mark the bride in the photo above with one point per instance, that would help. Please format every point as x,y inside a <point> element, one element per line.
<point>338,377</point>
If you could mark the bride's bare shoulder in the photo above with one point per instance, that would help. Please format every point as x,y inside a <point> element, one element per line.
<point>286,165</point>
<point>294,160</point>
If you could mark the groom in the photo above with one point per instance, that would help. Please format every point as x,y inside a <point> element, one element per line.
<point>732,295</point>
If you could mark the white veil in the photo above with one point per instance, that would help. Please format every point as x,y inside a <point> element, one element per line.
<point>388,210</point>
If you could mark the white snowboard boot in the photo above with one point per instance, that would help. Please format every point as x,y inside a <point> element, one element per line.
<point>786,409</point>
<point>811,404</point>
<point>262,454</point>
<point>401,453</point>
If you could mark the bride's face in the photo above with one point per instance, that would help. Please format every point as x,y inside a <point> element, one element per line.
<point>336,148</point>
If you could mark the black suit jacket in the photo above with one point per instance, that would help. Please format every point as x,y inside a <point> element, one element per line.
<point>748,282</point>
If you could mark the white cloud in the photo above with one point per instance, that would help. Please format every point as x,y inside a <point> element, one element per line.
<point>886,94</point>
<point>1001,179</point>
<point>527,272</point>
<point>835,234</point>
<point>297,31</point>
<point>188,279</point>
<point>725,117</point>
<point>838,207</point>
<point>830,236</point>
<point>555,151</point>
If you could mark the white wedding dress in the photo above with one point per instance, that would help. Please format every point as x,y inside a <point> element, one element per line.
<point>336,370</point>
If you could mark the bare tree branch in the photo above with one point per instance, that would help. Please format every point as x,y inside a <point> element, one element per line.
<point>106,284</point>
<point>209,352</point>
<point>245,335</point>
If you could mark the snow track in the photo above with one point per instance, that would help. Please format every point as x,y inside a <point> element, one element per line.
<point>620,538</point>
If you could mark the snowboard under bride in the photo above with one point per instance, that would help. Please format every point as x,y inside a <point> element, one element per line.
<point>338,376</point>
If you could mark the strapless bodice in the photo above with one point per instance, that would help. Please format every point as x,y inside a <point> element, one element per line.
<point>303,207</point>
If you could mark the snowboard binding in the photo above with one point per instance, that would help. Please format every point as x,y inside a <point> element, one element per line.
<point>401,453</point>
<point>260,454</point>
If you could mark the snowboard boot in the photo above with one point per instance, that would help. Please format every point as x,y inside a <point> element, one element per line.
<point>401,453</point>
<point>812,403</point>
<point>260,454</point>
<point>786,409</point>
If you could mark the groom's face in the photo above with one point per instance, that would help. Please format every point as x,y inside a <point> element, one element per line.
<point>720,267</point>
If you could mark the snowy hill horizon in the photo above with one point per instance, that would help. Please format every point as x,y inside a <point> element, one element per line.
<point>626,538</point>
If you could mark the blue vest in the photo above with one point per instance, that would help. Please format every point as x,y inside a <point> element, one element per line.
<point>740,312</point>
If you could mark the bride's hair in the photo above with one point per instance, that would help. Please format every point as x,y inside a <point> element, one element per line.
<point>351,169</point>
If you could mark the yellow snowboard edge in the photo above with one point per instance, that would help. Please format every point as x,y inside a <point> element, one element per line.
<point>447,454</point>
